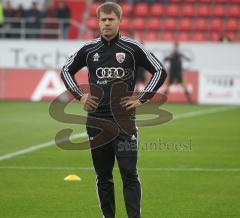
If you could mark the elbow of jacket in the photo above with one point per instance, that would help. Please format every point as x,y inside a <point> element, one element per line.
<point>61,75</point>
<point>164,74</point>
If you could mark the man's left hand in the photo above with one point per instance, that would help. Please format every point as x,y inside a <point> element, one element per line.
<point>130,102</point>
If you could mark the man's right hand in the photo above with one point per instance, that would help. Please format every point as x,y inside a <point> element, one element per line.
<point>89,101</point>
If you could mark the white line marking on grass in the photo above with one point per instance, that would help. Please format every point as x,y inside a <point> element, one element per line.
<point>154,169</point>
<point>83,134</point>
<point>37,147</point>
<point>44,168</point>
<point>193,169</point>
<point>203,112</point>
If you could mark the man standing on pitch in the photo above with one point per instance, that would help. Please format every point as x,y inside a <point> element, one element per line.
<point>113,59</point>
<point>176,70</point>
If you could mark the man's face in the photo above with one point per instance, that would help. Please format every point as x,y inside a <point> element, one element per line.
<point>108,24</point>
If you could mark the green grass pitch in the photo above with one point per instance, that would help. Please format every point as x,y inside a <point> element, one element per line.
<point>201,181</point>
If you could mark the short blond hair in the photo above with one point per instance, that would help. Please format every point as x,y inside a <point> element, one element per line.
<point>108,8</point>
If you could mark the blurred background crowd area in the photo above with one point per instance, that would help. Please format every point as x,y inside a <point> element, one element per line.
<point>150,20</point>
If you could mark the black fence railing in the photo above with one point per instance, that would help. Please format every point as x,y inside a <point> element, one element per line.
<point>45,28</point>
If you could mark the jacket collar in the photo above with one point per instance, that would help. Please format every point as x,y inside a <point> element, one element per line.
<point>112,41</point>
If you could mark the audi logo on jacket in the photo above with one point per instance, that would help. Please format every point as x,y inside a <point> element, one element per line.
<point>111,64</point>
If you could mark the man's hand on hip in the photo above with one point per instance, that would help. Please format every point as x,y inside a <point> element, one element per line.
<point>89,101</point>
<point>130,102</point>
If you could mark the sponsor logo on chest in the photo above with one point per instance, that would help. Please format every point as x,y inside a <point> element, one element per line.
<point>109,73</point>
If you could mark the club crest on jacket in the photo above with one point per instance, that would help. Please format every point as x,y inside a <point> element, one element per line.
<point>120,57</point>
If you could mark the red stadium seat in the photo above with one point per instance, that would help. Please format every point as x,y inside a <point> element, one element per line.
<point>185,24</point>
<point>125,24</point>
<point>125,33</point>
<point>198,36</point>
<point>219,10</point>
<point>87,35</point>
<point>188,10</point>
<point>183,36</point>
<point>141,9</point>
<point>190,1</point>
<point>233,11</point>
<point>205,1</point>
<point>153,24</point>
<point>156,10</point>
<point>150,36</point>
<point>138,35</point>
<point>176,1</point>
<point>220,1</point>
<point>169,24</point>
<point>73,32</point>
<point>127,9</point>
<point>217,36</point>
<point>93,9</point>
<point>200,24</point>
<point>172,10</point>
<point>214,36</point>
<point>138,23</point>
<point>233,36</point>
<point>216,24</point>
<point>167,36</point>
<point>203,10</point>
<point>92,23</point>
<point>232,25</point>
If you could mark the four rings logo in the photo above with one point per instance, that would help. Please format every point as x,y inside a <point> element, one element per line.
<point>110,72</point>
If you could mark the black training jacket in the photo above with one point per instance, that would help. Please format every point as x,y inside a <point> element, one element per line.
<point>109,63</point>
